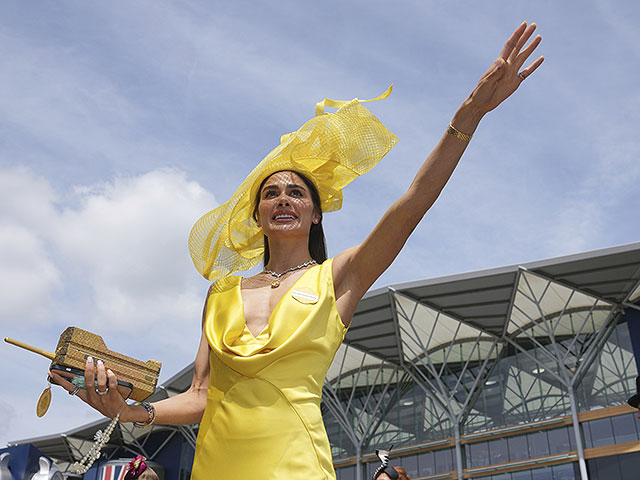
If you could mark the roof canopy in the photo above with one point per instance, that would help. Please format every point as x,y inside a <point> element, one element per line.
<point>483,300</point>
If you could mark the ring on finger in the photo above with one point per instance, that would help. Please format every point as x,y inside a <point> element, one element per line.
<point>102,392</point>
<point>522,75</point>
<point>75,390</point>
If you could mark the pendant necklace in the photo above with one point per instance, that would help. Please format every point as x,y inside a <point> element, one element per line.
<point>276,283</point>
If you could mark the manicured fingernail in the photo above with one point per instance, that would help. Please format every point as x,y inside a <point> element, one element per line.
<point>109,371</point>
<point>100,362</point>
<point>89,360</point>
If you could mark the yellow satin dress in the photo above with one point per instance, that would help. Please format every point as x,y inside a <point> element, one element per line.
<point>262,419</point>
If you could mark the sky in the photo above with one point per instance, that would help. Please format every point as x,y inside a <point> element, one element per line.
<point>123,122</point>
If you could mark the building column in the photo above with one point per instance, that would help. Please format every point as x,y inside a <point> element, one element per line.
<point>458,450</point>
<point>578,435</point>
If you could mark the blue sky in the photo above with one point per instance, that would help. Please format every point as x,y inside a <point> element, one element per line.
<point>122,122</point>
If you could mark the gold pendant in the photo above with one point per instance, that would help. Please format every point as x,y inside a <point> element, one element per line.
<point>43,402</point>
<point>275,284</point>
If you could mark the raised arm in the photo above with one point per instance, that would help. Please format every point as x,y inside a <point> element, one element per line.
<point>356,269</point>
<point>182,409</point>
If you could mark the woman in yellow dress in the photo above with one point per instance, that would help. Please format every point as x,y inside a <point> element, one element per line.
<point>268,340</point>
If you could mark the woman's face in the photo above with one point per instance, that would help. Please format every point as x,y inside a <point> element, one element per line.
<point>285,206</point>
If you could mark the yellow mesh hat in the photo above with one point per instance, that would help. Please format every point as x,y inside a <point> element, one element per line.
<point>331,150</point>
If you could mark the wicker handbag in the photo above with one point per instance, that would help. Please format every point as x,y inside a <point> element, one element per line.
<point>136,379</point>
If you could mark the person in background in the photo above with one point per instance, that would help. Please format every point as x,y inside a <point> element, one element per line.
<point>139,470</point>
<point>393,473</point>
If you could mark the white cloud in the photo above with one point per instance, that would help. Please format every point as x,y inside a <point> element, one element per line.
<point>128,238</point>
<point>28,276</point>
<point>26,199</point>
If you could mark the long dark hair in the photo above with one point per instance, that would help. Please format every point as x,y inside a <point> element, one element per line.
<point>317,242</point>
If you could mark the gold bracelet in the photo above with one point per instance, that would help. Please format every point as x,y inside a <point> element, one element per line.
<point>465,137</point>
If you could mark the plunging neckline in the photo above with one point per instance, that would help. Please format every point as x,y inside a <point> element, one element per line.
<point>244,317</point>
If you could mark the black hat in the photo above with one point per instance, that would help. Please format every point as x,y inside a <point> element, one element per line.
<point>635,400</point>
<point>391,472</point>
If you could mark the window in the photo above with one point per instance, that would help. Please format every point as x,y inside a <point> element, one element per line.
<point>518,448</point>
<point>542,474</point>
<point>624,428</point>
<point>501,476</point>
<point>538,444</point>
<point>563,472</point>
<point>629,465</point>
<point>559,440</point>
<point>444,460</point>
<point>526,475</point>
<point>426,464</point>
<point>479,454</point>
<point>606,468</point>
<point>410,464</point>
<point>601,432</point>
<point>346,473</point>
<point>498,451</point>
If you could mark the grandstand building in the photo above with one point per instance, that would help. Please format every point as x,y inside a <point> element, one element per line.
<point>514,373</point>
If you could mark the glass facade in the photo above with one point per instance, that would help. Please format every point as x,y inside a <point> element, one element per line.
<point>612,430</point>
<point>520,447</point>
<point>518,396</point>
<point>623,467</point>
<point>614,467</point>
<point>555,472</point>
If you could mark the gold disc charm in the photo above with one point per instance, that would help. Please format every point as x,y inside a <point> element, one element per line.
<point>43,402</point>
<point>275,284</point>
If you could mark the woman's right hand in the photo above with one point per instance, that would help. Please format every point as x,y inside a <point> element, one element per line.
<point>111,402</point>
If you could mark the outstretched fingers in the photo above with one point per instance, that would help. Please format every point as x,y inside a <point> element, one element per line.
<point>524,37</point>
<point>531,68</point>
<point>510,46</point>
<point>526,53</point>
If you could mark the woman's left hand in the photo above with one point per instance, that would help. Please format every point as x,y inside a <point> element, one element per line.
<point>505,75</point>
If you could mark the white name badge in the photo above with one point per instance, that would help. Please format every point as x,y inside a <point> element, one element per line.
<point>305,295</point>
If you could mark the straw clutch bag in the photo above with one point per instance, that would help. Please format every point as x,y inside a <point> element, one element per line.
<point>75,345</point>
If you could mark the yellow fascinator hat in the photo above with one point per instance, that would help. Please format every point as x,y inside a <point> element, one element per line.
<point>331,150</point>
